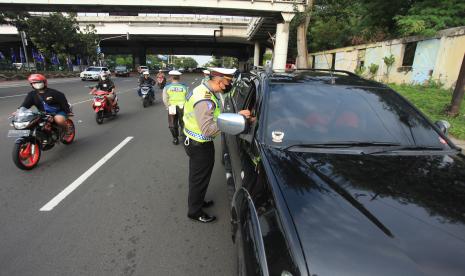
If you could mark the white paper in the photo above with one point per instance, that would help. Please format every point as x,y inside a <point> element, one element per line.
<point>172,110</point>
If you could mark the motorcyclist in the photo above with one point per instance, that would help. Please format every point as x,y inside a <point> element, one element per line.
<point>146,80</point>
<point>106,84</point>
<point>161,79</point>
<point>47,100</point>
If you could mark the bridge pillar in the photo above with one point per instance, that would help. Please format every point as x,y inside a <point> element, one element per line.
<point>139,57</point>
<point>282,42</point>
<point>256,56</point>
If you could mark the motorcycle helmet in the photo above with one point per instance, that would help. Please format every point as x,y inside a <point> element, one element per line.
<point>37,79</point>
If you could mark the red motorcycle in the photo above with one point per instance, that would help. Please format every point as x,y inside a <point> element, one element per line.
<point>102,106</point>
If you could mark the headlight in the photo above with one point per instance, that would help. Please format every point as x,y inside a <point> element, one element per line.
<point>97,103</point>
<point>286,273</point>
<point>20,125</point>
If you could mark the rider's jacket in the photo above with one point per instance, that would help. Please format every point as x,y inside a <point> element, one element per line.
<point>51,101</point>
<point>146,81</point>
<point>105,85</point>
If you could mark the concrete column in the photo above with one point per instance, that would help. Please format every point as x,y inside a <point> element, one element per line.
<point>256,57</point>
<point>282,42</point>
<point>243,66</point>
<point>139,57</point>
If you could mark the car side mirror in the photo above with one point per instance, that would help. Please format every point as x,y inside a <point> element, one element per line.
<point>231,123</point>
<point>443,125</point>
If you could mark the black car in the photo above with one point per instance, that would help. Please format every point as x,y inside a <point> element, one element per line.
<point>337,175</point>
<point>122,71</point>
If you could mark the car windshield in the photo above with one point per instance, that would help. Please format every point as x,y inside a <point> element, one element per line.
<point>303,113</point>
<point>120,68</point>
<point>93,69</point>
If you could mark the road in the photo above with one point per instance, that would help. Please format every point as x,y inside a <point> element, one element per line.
<point>128,217</point>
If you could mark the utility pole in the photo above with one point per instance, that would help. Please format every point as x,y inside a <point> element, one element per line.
<point>24,40</point>
<point>454,107</point>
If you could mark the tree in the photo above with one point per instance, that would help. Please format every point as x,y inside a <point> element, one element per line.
<point>454,108</point>
<point>429,16</point>
<point>54,34</point>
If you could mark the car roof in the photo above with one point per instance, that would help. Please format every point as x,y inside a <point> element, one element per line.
<point>334,77</point>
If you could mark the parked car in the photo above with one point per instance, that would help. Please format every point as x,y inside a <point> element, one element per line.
<point>142,68</point>
<point>337,175</point>
<point>93,72</point>
<point>122,70</point>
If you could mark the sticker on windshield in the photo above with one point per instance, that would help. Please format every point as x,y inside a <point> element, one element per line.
<point>277,136</point>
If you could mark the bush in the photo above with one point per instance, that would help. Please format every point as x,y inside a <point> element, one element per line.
<point>373,69</point>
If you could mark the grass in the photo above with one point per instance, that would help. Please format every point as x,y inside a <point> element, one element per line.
<point>431,101</point>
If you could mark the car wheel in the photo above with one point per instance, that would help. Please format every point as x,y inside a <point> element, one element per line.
<point>83,79</point>
<point>240,266</point>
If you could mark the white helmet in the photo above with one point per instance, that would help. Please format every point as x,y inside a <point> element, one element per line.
<point>103,75</point>
<point>145,73</point>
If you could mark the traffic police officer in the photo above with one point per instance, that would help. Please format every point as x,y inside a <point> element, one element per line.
<point>174,98</point>
<point>200,113</point>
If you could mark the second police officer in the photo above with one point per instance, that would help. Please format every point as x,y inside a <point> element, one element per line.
<point>174,98</point>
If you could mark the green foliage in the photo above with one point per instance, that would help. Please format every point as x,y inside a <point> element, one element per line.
<point>55,33</point>
<point>360,70</point>
<point>429,16</point>
<point>431,101</point>
<point>390,60</point>
<point>227,62</point>
<point>185,62</point>
<point>373,69</point>
<point>340,23</point>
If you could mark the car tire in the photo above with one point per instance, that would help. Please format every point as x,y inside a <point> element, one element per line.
<point>83,79</point>
<point>239,265</point>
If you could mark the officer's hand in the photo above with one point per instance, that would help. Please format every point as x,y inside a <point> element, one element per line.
<point>246,113</point>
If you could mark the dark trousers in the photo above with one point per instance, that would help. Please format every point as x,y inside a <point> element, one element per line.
<point>175,122</point>
<point>201,161</point>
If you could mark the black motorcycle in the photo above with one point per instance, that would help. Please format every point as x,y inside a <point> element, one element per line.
<point>36,132</point>
<point>147,97</point>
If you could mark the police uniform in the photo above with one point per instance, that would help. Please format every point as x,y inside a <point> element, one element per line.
<point>175,94</point>
<point>201,111</point>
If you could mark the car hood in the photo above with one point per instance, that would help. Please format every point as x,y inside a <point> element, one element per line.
<point>91,72</point>
<point>375,214</point>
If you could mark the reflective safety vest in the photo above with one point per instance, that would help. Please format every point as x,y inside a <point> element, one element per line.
<point>191,126</point>
<point>176,93</point>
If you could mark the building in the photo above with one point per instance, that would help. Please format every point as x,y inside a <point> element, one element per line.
<point>417,59</point>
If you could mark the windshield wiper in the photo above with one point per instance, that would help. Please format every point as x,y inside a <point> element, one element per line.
<point>347,144</point>
<point>406,148</point>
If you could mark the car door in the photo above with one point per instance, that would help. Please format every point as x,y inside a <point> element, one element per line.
<point>237,101</point>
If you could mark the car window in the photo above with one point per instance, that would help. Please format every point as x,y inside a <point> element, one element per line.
<point>319,113</point>
<point>242,89</point>
<point>93,69</point>
<point>105,69</point>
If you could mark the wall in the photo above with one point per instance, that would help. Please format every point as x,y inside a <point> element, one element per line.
<point>438,58</point>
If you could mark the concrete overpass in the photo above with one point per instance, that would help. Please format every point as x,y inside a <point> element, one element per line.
<point>181,36</point>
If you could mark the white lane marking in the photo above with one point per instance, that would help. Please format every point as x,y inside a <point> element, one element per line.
<point>73,186</point>
<point>19,95</point>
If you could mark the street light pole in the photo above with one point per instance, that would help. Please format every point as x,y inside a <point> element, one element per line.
<point>107,38</point>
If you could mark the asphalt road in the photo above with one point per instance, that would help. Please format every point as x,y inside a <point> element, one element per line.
<point>128,217</point>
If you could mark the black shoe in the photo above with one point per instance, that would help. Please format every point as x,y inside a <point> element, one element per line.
<point>202,217</point>
<point>175,141</point>
<point>207,203</point>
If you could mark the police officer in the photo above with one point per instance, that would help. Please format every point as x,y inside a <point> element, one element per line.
<point>200,113</point>
<point>174,98</point>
